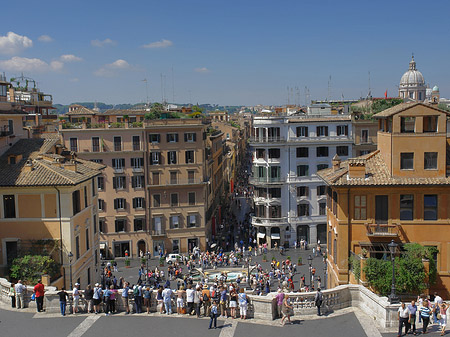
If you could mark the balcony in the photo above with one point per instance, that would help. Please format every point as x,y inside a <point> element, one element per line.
<point>382,230</point>
<point>266,180</point>
<point>158,232</point>
<point>138,169</point>
<point>118,169</point>
<point>267,139</point>
<point>4,131</point>
<point>269,221</point>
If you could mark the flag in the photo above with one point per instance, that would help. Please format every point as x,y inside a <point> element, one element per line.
<point>385,94</point>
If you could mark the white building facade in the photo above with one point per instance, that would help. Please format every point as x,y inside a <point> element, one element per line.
<point>289,198</point>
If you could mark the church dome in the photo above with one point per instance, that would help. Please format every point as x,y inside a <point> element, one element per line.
<point>412,77</point>
<point>435,88</point>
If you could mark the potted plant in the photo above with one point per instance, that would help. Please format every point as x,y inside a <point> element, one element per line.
<point>161,262</point>
<point>288,258</point>
<point>127,263</point>
<point>264,258</point>
<point>300,261</point>
<point>143,260</point>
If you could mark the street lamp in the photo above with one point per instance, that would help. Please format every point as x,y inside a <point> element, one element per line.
<point>310,269</point>
<point>148,258</point>
<point>393,298</point>
<point>324,275</point>
<point>70,267</point>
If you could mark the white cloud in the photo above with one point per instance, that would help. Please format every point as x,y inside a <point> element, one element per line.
<point>202,70</point>
<point>110,70</point>
<point>75,79</point>
<point>159,44</point>
<point>25,64</point>
<point>70,58</point>
<point>103,43</point>
<point>13,43</point>
<point>45,38</point>
<point>56,65</point>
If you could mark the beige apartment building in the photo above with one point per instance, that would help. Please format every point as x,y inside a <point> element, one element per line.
<point>154,194</point>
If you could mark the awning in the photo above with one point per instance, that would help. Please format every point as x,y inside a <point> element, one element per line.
<point>275,236</point>
<point>261,235</point>
<point>102,245</point>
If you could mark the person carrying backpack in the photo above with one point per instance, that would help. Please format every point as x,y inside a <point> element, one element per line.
<point>97,298</point>
<point>206,300</point>
<point>318,299</point>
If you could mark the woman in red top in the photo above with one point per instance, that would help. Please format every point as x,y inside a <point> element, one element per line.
<point>39,294</point>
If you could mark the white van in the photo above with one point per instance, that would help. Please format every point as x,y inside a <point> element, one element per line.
<point>171,258</point>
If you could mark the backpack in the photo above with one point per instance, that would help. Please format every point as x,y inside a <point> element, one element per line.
<point>136,291</point>
<point>205,297</point>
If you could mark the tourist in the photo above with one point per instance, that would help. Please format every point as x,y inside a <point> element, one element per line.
<point>233,302</point>
<point>243,303</point>
<point>403,317</point>
<point>223,302</point>
<point>125,296</point>
<point>97,298</point>
<point>442,316</point>
<point>213,315</point>
<point>107,297</point>
<point>63,296</point>
<point>12,294</point>
<point>206,300</point>
<point>190,299</point>
<point>197,298</point>
<point>288,310</point>
<point>318,299</point>
<point>412,317</point>
<point>167,298</point>
<point>88,296</point>
<point>180,300</point>
<point>39,293</point>
<point>279,298</point>
<point>147,299</point>
<point>425,313</point>
<point>113,297</point>
<point>437,302</point>
<point>137,293</point>
<point>159,299</point>
<point>76,297</point>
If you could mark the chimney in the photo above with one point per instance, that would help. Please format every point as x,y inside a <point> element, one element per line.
<point>72,166</point>
<point>28,166</point>
<point>336,162</point>
<point>356,168</point>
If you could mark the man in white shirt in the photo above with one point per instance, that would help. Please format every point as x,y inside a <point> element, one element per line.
<point>167,298</point>
<point>190,299</point>
<point>403,317</point>
<point>20,290</point>
<point>76,297</point>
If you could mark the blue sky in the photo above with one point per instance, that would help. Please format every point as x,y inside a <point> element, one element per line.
<point>222,52</point>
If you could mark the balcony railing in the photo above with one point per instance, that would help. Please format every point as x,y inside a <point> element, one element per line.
<point>4,131</point>
<point>266,180</point>
<point>138,169</point>
<point>184,181</point>
<point>118,169</point>
<point>382,230</point>
<point>269,221</point>
<point>157,232</point>
<point>267,139</point>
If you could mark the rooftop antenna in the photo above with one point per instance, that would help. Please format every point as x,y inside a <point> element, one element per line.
<point>146,90</point>
<point>329,89</point>
<point>287,95</point>
<point>173,87</point>
<point>369,94</point>
<point>162,91</point>
<point>307,96</point>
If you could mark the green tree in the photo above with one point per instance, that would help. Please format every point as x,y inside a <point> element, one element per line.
<point>30,268</point>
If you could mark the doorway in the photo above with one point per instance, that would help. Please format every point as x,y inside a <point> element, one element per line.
<point>192,243</point>
<point>120,248</point>
<point>303,233</point>
<point>141,248</point>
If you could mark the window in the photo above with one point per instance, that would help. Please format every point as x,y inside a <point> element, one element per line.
<point>406,207</point>
<point>191,197</point>
<point>155,178</point>
<point>94,221</point>
<point>364,136</point>
<point>156,200</point>
<point>100,183</point>
<point>120,225</point>
<point>154,138</point>
<point>260,153</point>
<point>360,207</point>
<point>322,167</point>
<point>95,144</point>
<point>430,207</point>
<point>76,204</point>
<point>302,152</point>
<point>175,246</point>
<point>342,150</point>
<point>117,143</point>
<point>407,124</point>
<point>174,222</point>
<point>87,238</point>
<point>172,138</point>
<point>85,197</point>
<point>137,181</point>
<point>120,203</point>
<point>77,247</point>
<point>174,199</point>
<point>73,144</point>
<point>157,225</point>
<point>173,177</point>
<point>138,202</point>
<point>302,131</point>
<point>322,151</point>
<point>119,183</point>
<point>189,157</point>
<point>275,172</point>
<point>381,208</point>
<point>274,192</point>
<point>137,163</point>
<point>136,143</point>
<point>303,209</point>
<point>407,161</point>
<point>190,137</point>
<point>321,190</point>
<point>155,158</point>
<point>430,123</point>
<point>430,160</point>
<point>98,161</point>
<point>138,224</point>
<point>261,171</point>
<point>274,153</point>
<point>101,225</point>
<point>342,130</point>
<point>118,163</point>
<point>322,208</point>
<point>302,191</point>
<point>302,170</point>
<point>191,176</point>
<point>172,157</point>
<point>335,203</point>
<point>101,204</point>
<point>192,221</point>
<point>9,206</point>
<point>322,131</point>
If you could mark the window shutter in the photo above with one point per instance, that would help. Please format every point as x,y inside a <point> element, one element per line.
<point>346,130</point>
<point>115,204</point>
<point>195,136</point>
<point>122,160</point>
<point>185,137</point>
<point>143,203</point>
<point>204,135</point>
<point>134,202</point>
<point>174,157</point>
<point>167,135</point>
<point>158,137</point>
<point>133,182</point>
<point>326,131</point>
<point>124,204</point>
<point>114,182</point>
<point>176,137</point>
<point>186,156</point>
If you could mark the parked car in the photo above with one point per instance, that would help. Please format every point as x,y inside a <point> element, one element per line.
<point>171,258</point>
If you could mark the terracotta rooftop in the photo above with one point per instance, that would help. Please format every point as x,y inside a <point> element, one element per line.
<point>40,167</point>
<point>124,112</point>
<point>81,110</point>
<point>377,174</point>
<point>404,106</point>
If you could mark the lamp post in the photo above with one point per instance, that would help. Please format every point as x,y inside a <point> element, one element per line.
<point>393,298</point>
<point>310,265</point>
<point>146,270</point>
<point>70,269</point>
<point>324,276</point>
